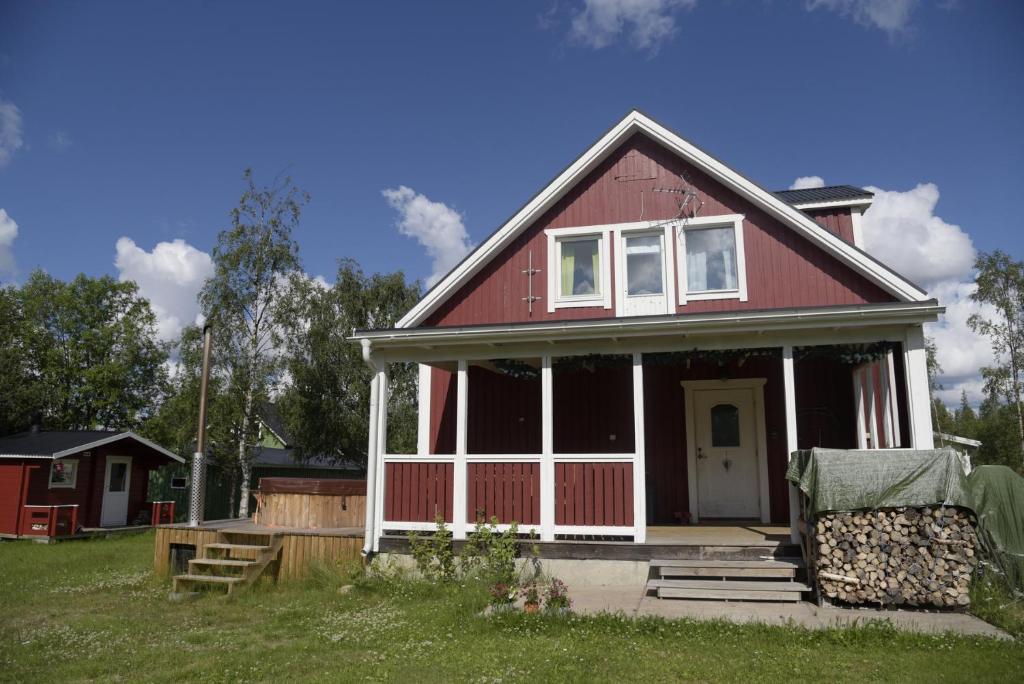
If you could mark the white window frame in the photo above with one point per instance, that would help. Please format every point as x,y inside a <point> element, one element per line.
<point>735,221</point>
<point>652,228</point>
<point>555,237</point>
<point>63,485</point>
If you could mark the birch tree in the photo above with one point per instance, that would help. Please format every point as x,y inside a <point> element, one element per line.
<point>256,262</point>
<point>1000,282</point>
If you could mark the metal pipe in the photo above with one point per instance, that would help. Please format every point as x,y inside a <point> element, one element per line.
<point>197,489</point>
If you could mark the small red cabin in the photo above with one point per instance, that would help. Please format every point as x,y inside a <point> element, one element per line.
<point>55,483</point>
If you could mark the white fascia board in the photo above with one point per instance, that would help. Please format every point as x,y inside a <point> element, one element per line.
<point>634,122</point>
<point>116,438</point>
<point>738,321</point>
<point>864,202</point>
<point>19,456</point>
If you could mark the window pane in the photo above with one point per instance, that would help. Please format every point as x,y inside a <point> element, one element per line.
<point>725,426</point>
<point>643,265</point>
<point>118,473</point>
<point>62,472</point>
<point>581,267</point>
<point>710,259</point>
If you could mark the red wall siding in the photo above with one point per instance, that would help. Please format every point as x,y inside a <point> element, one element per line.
<point>443,391</point>
<point>825,412</point>
<point>11,474</point>
<point>508,491</point>
<point>836,220</point>
<point>594,494</point>
<point>417,492</point>
<point>783,269</point>
<point>503,413</point>
<point>589,406</point>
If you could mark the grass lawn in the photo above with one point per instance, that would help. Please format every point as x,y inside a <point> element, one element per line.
<point>92,610</point>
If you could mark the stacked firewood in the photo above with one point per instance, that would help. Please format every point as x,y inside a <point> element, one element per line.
<point>901,556</point>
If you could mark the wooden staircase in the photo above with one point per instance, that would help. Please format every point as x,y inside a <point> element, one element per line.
<point>234,561</point>
<point>767,579</point>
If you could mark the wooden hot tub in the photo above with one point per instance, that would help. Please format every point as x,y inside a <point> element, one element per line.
<point>299,502</point>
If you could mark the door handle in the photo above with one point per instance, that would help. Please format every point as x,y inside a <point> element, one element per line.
<point>700,453</point>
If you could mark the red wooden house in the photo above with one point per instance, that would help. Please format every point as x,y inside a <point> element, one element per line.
<point>53,484</point>
<point>644,343</point>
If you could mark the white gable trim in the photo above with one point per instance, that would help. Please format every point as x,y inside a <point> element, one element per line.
<point>635,122</point>
<point>117,438</point>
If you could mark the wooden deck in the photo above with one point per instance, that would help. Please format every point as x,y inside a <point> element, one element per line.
<point>300,548</point>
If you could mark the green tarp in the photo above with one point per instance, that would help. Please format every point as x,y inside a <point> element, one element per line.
<point>850,480</point>
<point>998,495</point>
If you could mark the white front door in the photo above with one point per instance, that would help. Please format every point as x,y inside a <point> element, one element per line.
<point>643,277</point>
<point>116,486</point>
<point>728,482</point>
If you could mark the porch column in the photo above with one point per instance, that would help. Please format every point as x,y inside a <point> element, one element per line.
<point>789,389</point>
<point>423,411</point>
<point>382,448</point>
<point>373,473</point>
<point>547,457</point>
<point>639,475</point>
<point>459,477</point>
<point>919,407</point>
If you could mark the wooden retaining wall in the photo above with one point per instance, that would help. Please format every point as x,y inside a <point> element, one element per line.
<point>297,552</point>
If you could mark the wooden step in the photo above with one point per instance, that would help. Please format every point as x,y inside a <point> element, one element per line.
<point>223,562</point>
<point>729,590</point>
<point>786,568</point>
<point>211,580</point>
<point>224,546</point>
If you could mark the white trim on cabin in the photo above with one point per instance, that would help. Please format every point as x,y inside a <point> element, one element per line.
<point>98,443</point>
<point>857,226</point>
<point>63,485</point>
<point>862,202</point>
<point>423,412</point>
<point>635,122</point>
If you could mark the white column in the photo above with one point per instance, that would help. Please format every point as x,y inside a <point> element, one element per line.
<point>547,458</point>
<point>919,408</point>
<point>789,389</point>
<point>459,479</point>
<point>639,471</point>
<point>382,448</point>
<point>372,473</point>
<point>423,411</point>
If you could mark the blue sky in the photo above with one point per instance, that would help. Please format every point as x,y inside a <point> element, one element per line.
<point>136,119</point>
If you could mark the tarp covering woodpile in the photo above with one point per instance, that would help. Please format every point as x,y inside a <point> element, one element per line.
<point>998,497</point>
<point>854,480</point>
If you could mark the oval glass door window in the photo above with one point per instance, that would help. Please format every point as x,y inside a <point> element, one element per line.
<point>725,425</point>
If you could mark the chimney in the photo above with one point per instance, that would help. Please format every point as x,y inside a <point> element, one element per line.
<point>37,423</point>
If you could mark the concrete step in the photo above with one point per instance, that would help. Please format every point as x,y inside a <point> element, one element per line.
<point>772,568</point>
<point>728,590</point>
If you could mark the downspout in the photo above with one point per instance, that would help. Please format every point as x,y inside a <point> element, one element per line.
<point>371,450</point>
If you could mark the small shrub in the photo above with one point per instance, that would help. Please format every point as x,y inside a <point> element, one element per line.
<point>434,556</point>
<point>490,555</point>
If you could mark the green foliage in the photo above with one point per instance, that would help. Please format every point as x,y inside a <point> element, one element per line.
<point>434,555</point>
<point>490,555</point>
<point>83,354</point>
<point>327,404</point>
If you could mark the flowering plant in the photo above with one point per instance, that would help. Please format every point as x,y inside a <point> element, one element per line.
<point>502,593</point>
<point>530,593</point>
<point>557,595</point>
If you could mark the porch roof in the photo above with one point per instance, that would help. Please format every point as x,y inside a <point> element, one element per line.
<point>731,322</point>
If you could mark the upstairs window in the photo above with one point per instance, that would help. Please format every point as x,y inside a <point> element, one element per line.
<point>711,261</point>
<point>644,263</point>
<point>579,271</point>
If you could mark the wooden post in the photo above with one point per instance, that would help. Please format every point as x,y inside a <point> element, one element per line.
<point>789,388</point>
<point>459,478</point>
<point>918,396</point>
<point>639,474</point>
<point>547,458</point>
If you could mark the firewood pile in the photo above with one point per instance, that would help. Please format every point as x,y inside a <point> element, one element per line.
<point>896,557</point>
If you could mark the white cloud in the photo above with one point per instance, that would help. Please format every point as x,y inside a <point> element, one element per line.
<point>434,225</point>
<point>647,23</point>
<point>8,232</point>
<point>10,131</point>
<point>903,231</point>
<point>805,182</point>
<point>59,141</point>
<point>891,16</point>
<point>170,277</point>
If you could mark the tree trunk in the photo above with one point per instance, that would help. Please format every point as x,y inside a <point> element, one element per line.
<point>232,481</point>
<point>243,459</point>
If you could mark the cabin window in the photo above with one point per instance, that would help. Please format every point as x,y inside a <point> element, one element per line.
<point>178,483</point>
<point>644,265</point>
<point>64,473</point>
<point>711,262</point>
<point>578,268</point>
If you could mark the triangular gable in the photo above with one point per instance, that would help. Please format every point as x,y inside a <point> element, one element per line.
<point>636,122</point>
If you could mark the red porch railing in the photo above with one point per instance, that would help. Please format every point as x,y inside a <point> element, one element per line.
<point>163,513</point>
<point>49,521</point>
